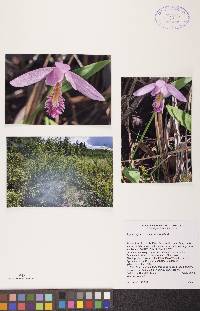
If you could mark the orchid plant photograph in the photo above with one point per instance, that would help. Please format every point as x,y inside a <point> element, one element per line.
<point>55,89</point>
<point>156,129</point>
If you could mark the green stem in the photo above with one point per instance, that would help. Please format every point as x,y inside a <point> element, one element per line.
<point>143,134</point>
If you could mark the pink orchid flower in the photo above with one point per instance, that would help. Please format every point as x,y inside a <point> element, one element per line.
<point>160,90</point>
<point>54,76</point>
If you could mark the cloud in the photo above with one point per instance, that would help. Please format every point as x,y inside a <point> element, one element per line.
<point>94,142</point>
<point>100,141</point>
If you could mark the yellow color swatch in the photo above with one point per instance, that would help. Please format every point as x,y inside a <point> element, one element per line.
<point>79,304</point>
<point>3,306</point>
<point>48,306</point>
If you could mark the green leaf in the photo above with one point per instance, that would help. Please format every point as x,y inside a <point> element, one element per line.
<point>86,72</point>
<point>131,174</point>
<point>180,83</point>
<point>181,116</point>
<point>48,121</point>
<point>143,135</point>
<point>32,117</point>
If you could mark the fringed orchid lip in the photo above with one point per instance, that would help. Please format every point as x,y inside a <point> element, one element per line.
<point>160,90</point>
<point>158,103</point>
<point>55,104</point>
<point>54,76</point>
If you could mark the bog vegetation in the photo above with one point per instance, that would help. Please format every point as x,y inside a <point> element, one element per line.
<point>56,172</point>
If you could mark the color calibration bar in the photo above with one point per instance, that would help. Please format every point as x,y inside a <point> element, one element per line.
<point>22,301</point>
<point>56,300</point>
<point>88,300</point>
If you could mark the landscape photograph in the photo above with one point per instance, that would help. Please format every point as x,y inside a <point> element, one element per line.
<point>59,172</point>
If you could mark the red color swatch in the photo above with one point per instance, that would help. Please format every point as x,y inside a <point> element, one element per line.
<point>21,306</point>
<point>89,304</point>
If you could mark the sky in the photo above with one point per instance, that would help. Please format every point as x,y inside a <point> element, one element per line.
<point>94,142</point>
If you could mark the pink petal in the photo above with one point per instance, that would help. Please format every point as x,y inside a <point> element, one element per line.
<point>84,87</point>
<point>164,91</point>
<point>145,89</point>
<point>176,93</point>
<point>160,83</point>
<point>55,76</point>
<point>160,88</point>
<point>63,67</point>
<point>69,78</point>
<point>31,77</point>
<point>155,91</point>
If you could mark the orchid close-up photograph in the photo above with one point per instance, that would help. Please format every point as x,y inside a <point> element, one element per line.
<point>156,133</point>
<point>58,89</point>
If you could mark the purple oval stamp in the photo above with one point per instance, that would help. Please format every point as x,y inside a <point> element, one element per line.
<point>172,17</point>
